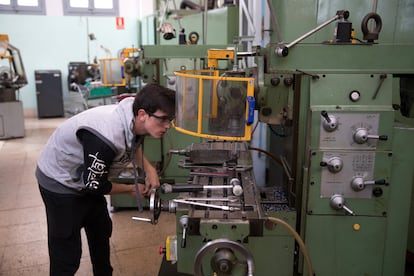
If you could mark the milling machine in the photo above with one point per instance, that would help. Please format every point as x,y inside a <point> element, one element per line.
<point>338,104</point>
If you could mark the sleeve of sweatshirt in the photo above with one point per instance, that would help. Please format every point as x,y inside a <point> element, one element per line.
<point>98,157</point>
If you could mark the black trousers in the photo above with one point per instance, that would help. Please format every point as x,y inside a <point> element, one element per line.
<point>66,216</point>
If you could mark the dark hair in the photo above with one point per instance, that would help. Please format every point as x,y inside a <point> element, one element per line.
<point>153,97</point>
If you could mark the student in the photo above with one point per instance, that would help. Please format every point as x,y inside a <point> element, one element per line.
<point>74,169</point>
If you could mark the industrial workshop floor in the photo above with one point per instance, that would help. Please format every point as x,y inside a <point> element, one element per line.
<point>23,234</point>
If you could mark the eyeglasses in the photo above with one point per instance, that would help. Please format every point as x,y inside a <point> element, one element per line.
<point>161,119</point>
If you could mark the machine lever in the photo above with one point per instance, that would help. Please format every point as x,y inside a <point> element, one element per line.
<point>184,239</point>
<point>376,182</point>
<point>379,137</point>
<point>222,207</point>
<point>382,78</point>
<point>142,219</point>
<point>168,188</point>
<point>338,202</point>
<point>361,136</point>
<point>330,124</point>
<point>283,50</point>
<point>326,116</point>
<point>358,183</point>
<point>222,199</point>
<point>184,224</point>
<point>334,164</point>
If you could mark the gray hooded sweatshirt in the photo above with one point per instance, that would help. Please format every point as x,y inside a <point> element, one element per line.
<point>62,159</point>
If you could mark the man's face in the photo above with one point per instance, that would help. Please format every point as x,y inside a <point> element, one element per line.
<point>156,124</point>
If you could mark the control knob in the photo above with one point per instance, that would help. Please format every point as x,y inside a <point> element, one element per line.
<point>358,183</point>
<point>330,123</point>
<point>362,135</point>
<point>334,164</point>
<point>338,203</point>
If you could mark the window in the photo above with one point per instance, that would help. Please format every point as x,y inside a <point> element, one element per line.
<point>23,6</point>
<point>91,7</point>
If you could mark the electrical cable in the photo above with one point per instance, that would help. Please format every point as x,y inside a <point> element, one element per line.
<point>255,126</point>
<point>283,134</point>
<point>275,158</point>
<point>134,147</point>
<point>298,240</point>
<point>169,156</point>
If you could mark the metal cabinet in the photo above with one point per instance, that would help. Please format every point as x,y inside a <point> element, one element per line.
<point>49,93</point>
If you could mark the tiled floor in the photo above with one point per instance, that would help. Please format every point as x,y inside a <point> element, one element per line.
<point>23,233</point>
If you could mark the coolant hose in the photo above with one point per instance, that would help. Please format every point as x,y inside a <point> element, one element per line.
<point>298,240</point>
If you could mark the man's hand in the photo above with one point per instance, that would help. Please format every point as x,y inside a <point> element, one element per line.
<point>118,188</point>
<point>133,192</point>
<point>151,181</point>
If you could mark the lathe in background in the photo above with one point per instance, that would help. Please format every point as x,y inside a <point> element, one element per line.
<point>12,78</point>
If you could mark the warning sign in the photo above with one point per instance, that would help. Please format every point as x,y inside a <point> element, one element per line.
<point>120,23</point>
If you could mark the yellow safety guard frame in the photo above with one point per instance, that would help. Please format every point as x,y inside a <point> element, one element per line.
<point>214,76</point>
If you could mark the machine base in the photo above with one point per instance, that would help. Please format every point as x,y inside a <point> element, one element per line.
<point>169,269</point>
<point>11,120</point>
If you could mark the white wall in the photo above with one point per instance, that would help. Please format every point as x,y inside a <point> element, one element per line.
<point>51,41</point>
<point>127,8</point>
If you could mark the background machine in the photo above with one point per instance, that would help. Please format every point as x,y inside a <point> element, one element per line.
<point>334,87</point>
<point>12,78</point>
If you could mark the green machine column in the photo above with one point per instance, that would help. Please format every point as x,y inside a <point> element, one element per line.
<point>356,183</point>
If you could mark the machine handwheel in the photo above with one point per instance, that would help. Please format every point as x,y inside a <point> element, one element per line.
<point>224,259</point>
<point>154,206</point>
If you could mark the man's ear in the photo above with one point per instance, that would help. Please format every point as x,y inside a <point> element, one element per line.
<point>142,115</point>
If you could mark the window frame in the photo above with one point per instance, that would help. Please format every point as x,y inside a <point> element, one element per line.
<point>15,8</point>
<point>90,10</point>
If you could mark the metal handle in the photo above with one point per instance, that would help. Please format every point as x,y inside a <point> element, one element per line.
<point>330,123</point>
<point>283,50</point>
<point>221,207</point>
<point>334,164</point>
<point>361,136</point>
<point>358,183</point>
<point>184,224</point>
<point>338,203</point>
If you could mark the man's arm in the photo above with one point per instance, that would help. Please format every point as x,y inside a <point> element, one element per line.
<point>152,180</point>
<point>120,188</point>
<point>98,157</point>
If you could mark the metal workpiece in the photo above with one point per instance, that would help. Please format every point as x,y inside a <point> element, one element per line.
<point>216,153</point>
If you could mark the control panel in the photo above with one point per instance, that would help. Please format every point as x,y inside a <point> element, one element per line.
<point>350,148</point>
